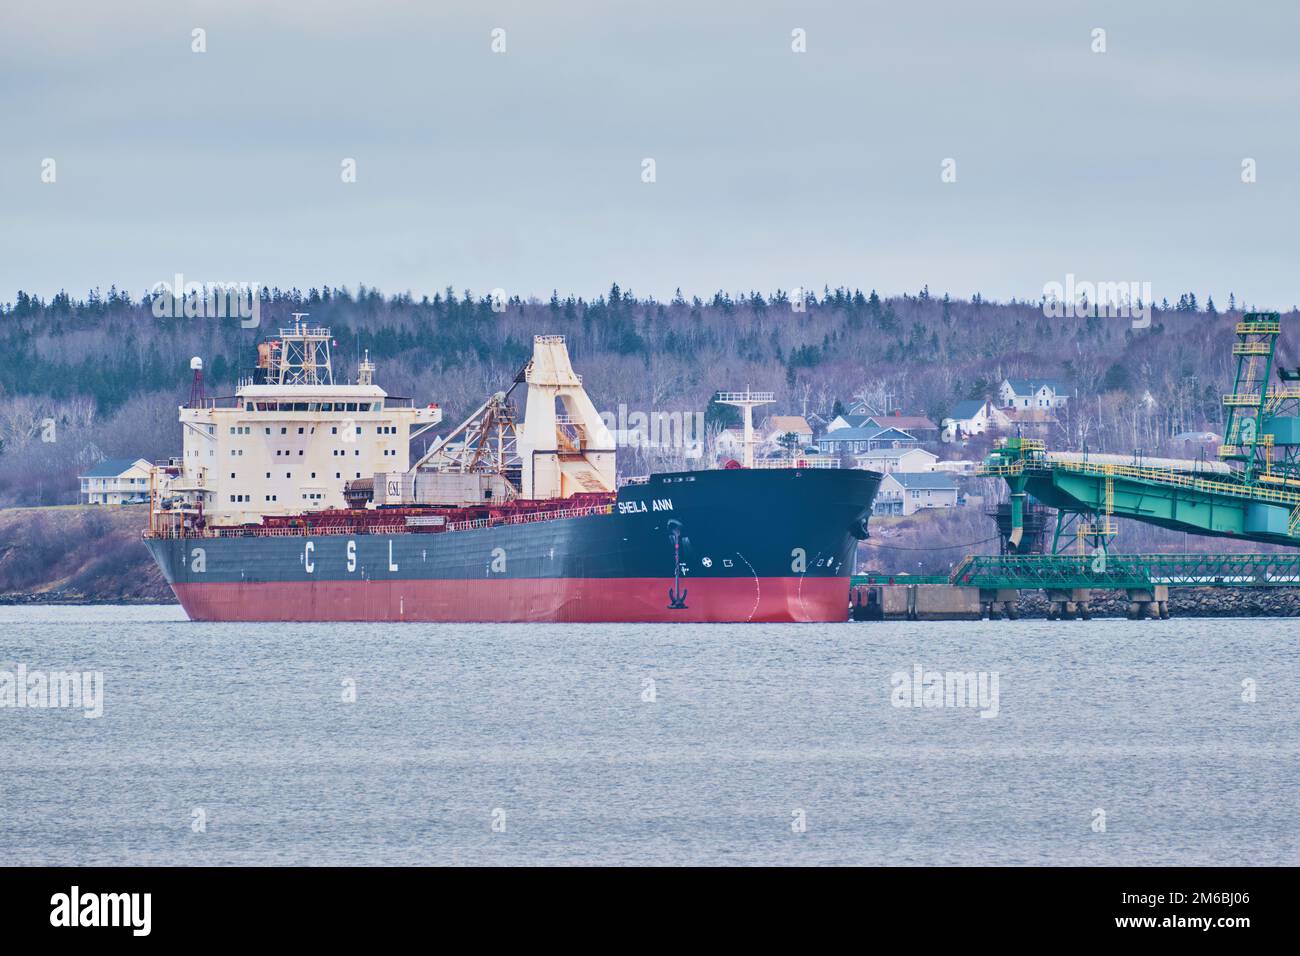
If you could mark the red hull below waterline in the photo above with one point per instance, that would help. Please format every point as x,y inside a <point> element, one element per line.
<point>612,600</point>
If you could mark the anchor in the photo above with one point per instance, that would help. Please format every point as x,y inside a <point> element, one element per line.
<point>676,595</point>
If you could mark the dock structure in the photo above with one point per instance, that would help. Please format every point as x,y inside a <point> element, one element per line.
<point>1252,493</point>
<point>990,585</point>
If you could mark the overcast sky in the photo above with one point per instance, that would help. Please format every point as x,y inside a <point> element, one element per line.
<point>523,170</point>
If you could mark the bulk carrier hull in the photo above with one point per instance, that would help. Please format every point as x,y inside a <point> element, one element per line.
<point>732,545</point>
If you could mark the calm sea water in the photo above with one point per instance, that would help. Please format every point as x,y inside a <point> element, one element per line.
<point>751,730</point>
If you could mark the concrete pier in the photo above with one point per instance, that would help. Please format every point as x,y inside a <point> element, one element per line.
<point>1151,603</point>
<point>1067,604</point>
<point>995,602</point>
<point>898,601</point>
<point>915,602</point>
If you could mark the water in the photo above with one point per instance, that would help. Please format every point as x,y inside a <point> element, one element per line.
<point>247,724</point>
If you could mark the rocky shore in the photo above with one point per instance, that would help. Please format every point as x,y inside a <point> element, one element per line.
<point>1186,602</point>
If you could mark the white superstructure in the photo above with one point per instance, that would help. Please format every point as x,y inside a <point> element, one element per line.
<point>289,440</point>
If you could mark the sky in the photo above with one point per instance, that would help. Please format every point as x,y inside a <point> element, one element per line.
<point>524,169</point>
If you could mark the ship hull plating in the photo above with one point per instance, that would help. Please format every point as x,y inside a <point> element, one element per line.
<point>709,546</point>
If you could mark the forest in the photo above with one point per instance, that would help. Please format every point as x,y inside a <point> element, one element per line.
<point>109,374</point>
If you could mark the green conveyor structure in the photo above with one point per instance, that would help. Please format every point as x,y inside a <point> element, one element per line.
<point>1257,498</point>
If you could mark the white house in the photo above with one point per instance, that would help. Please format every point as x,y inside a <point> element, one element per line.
<point>777,426</point>
<point>1030,422</point>
<point>731,443</point>
<point>897,459</point>
<point>1032,393</point>
<point>847,421</point>
<point>967,418</point>
<point>904,493</point>
<point>115,481</point>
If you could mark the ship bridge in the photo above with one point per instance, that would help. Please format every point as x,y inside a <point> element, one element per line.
<point>288,441</point>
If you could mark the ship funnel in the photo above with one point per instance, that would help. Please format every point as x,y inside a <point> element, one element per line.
<point>564,446</point>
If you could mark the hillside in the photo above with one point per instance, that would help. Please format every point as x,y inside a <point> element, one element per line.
<point>74,555</point>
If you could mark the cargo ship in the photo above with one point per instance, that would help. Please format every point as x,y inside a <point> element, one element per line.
<point>295,500</point>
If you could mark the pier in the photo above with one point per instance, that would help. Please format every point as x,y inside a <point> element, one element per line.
<point>991,585</point>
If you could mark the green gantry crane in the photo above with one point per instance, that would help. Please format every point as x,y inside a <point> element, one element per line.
<point>1256,497</point>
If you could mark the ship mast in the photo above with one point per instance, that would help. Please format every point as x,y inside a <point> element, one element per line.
<point>747,401</point>
<point>302,356</point>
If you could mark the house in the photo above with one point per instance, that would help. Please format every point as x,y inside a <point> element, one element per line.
<point>854,441</point>
<point>116,481</point>
<point>891,438</point>
<point>905,493</point>
<point>917,425</point>
<point>778,426</point>
<point>730,441</point>
<point>1030,422</point>
<point>967,418</point>
<point>846,441</point>
<point>862,407</point>
<point>897,459</point>
<point>1033,393</point>
<point>958,466</point>
<point>847,421</point>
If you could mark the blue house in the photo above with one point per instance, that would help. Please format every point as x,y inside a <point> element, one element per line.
<point>854,441</point>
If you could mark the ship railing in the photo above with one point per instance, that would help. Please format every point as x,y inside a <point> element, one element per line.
<point>799,462</point>
<point>1164,476</point>
<point>746,396</point>
<point>378,529</point>
<point>528,517</point>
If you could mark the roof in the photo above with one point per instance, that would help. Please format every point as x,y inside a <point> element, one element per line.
<point>854,421</point>
<point>788,423</point>
<point>112,467</point>
<point>868,434</point>
<point>925,480</point>
<point>891,434</point>
<point>851,434</point>
<point>895,453</point>
<point>903,421</point>
<point>967,409</point>
<point>1027,386</point>
<point>304,392</point>
<point>859,407</point>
